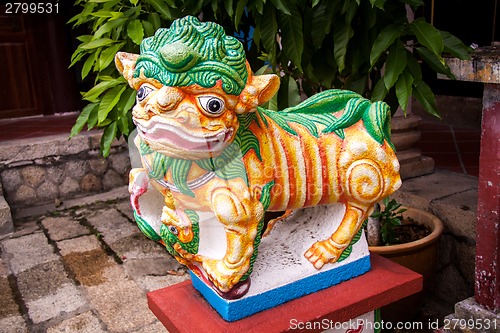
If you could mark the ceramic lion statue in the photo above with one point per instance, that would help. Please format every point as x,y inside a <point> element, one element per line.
<point>210,150</point>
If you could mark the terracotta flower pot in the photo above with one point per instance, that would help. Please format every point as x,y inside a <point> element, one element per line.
<point>420,256</point>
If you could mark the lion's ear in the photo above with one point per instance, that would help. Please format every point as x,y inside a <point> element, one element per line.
<point>125,63</point>
<point>266,85</point>
<point>258,90</point>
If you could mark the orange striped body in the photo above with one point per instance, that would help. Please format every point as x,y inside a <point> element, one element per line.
<point>308,171</point>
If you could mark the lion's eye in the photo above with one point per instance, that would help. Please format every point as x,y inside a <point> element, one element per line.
<point>143,92</point>
<point>213,106</point>
<point>173,230</point>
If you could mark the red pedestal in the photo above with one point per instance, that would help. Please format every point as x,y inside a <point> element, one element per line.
<point>488,206</point>
<point>182,309</point>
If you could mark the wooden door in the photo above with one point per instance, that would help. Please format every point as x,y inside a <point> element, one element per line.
<point>35,52</point>
<point>20,87</point>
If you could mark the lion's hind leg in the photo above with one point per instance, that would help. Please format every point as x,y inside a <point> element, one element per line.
<point>329,250</point>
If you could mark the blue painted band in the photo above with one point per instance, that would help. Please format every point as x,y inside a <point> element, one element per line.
<point>232,310</point>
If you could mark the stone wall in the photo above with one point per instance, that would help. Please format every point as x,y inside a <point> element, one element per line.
<point>53,169</point>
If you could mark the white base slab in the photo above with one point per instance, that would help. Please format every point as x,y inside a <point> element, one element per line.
<point>282,273</point>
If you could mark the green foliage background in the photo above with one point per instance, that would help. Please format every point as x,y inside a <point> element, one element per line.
<point>367,46</point>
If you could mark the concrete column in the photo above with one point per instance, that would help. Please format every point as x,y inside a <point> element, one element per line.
<point>488,208</point>
<point>484,66</point>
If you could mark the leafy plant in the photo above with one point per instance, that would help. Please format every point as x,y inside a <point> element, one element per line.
<point>368,46</point>
<point>389,218</point>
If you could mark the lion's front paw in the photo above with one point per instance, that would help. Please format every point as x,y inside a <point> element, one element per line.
<point>222,277</point>
<point>321,253</point>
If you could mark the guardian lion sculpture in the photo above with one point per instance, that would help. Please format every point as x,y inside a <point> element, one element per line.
<point>208,148</point>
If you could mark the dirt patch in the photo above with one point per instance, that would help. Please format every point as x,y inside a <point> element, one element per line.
<point>89,266</point>
<point>8,305</point>
<point>409,231</point>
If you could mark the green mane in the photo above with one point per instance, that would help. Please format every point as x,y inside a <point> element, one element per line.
<point>320,109</point>
<point>194,52</point>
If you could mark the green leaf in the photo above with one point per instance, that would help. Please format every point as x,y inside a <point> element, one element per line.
<point>215,6</point>
<point>109,100</point>
<point>413,66</point>
<point>82,119</point>
<point>75,18</point>
<point>436,63</point>
<point>428,36</point>
<point>110,4</point>
<point>319,20</point>
<point>240,9</point>
<point>282,6</point>
<point>102,14</point>
<point>101,87</point>
<point>171,3</point>
<point>342,33</point>
<point>84,38</point>
<point>87,66</point>
<point>116,15</point>
<point>359,85</point>
<point>404,89</point>
<point>261,70</point>
<point>155,20</point>
<point>268,28</point>
<point>293,92</point>
<point>228,5</point>
<point>132,13</point>
<point>122,123</point>
<point>129,102</point>
<point>426,97</point>
<point>273,103</point>
<point>97,23</point>
<point>386,37</point>
<point>108,55</point>
<point>379,91</point>
<point>88,8</point>
<point>97,43</point>
<point>162,9</point>
<point>135,31</point>
<point>259,5</point>
<point>148,28</point>
<point>396,62</point>
<point>378,3</point>
<point>76,57</point>
<point>134,2</point>
<point>351,11</point>
<point>92,121</point>
<point>107,138</point>
<point>454,46</point>
<point>292,37</point>
<point>108,78</point>
<point>107,27</point>
<point>322,20</point>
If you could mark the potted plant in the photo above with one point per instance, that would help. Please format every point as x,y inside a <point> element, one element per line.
<point>409,237</point>
<point>372,47</point>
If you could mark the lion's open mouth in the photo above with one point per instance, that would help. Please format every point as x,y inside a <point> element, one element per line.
<point>173,136</point>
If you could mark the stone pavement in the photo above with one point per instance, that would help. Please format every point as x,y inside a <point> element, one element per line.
<point>84,269</point>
